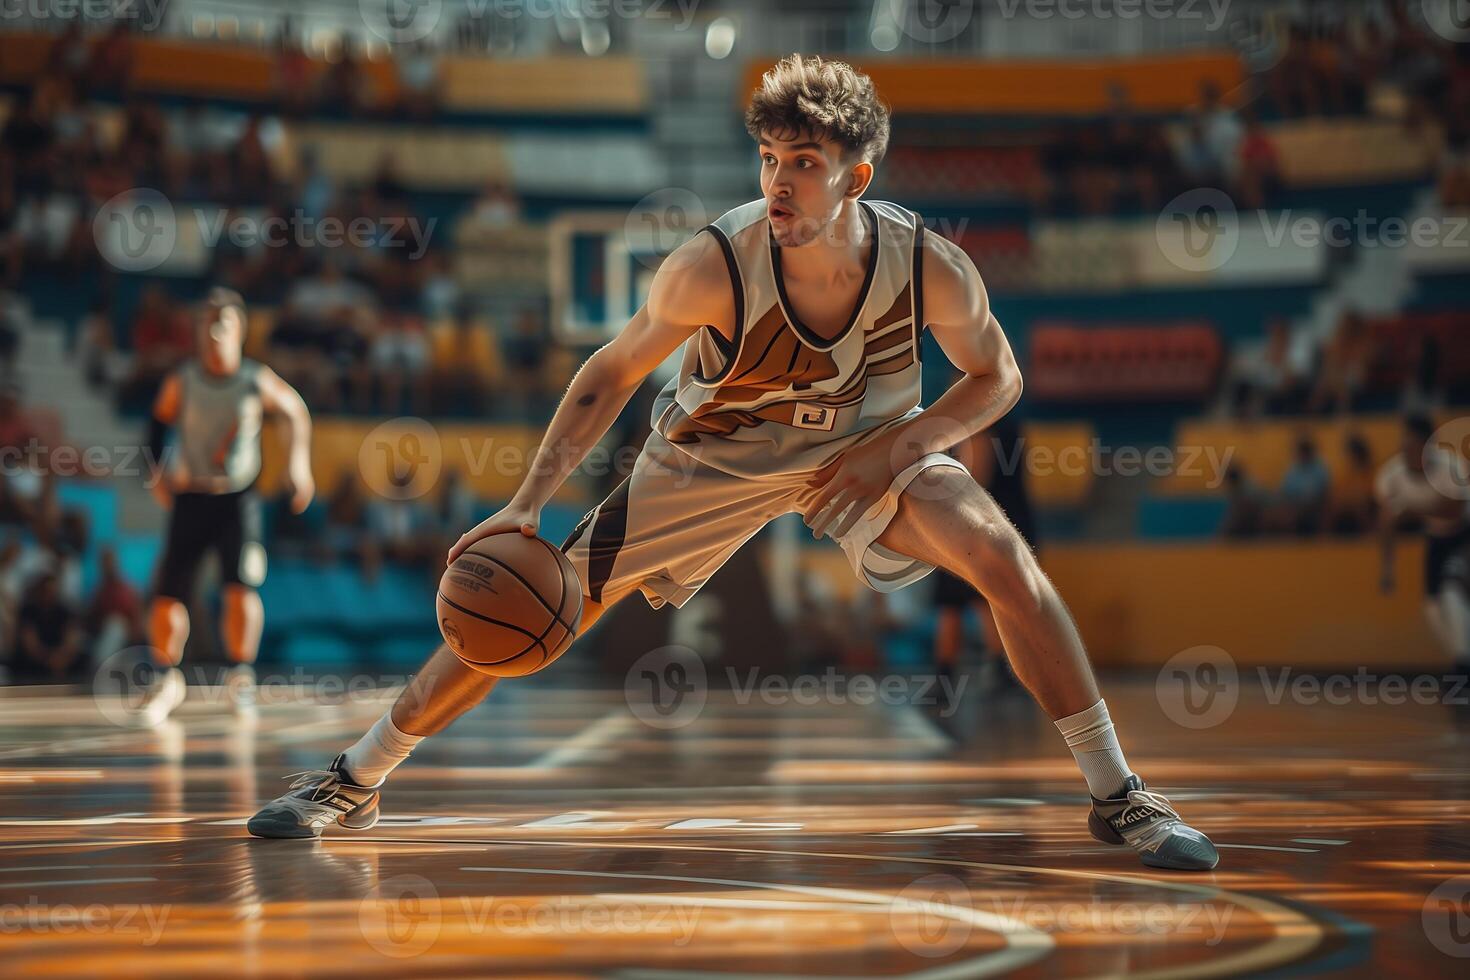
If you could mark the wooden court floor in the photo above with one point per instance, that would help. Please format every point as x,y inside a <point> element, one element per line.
<point>552,833</point>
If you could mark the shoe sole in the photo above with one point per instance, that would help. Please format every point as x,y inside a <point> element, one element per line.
<point>271,829</point>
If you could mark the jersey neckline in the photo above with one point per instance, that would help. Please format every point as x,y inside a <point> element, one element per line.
<point>809,336</point>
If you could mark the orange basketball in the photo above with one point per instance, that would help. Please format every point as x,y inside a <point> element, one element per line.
<point>509,605</point>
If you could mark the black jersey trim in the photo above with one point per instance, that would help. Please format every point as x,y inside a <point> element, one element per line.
<point>730,348</point>
<point>807,335</point>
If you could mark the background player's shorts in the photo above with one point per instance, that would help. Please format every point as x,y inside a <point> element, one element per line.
<point>1446,559</point>
<point>674,521</point>
<point>228,523</point>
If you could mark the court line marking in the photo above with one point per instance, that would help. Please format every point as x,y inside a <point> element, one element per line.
<point>911,722</point>
<point>127,842</point>
<point>585,743</point>
<point>1296,935</point>
<point>76,881</point>
<point>1269,847</point>
<point>106,820</point>
<point>1319,840</point>
<point>47,867</point>
<point>1024,944</point>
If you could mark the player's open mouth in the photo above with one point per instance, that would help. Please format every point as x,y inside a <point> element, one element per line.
<point>780,212</point>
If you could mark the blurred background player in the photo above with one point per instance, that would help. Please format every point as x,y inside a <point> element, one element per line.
<point>216,402</point>
<point>1425,488</point>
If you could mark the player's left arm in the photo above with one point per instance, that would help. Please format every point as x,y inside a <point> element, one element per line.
<point>956,310</point>
<point>279,399</point>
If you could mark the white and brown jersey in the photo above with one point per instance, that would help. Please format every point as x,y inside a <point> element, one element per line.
<point>779,399</point>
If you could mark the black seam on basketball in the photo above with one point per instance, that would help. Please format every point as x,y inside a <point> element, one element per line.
<point>555,613</point>
<point>487,619</point>
<point>535,640</point>
<point>556,617</point>
<point>562,600</point>
<point>558,556</point>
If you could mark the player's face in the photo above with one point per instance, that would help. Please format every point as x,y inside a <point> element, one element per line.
<point>221,334</point>
<point>804,181</point>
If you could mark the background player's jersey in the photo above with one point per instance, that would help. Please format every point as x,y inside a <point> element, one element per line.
<point>219,426</point>
<point>1399,488</point>
<point>779,399</point>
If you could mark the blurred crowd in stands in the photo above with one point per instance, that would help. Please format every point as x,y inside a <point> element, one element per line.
<point>387,330</point>
<point>50,628</point>
<point>1131,162</point>
<point>374,323</point>
<point>1410,364</point>
<point>1309,500</point>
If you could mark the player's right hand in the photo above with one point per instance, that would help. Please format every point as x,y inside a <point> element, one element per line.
<point>513,517</point>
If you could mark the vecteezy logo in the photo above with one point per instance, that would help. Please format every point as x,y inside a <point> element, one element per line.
<point>136,231</point>
<point>931,917</point>
<point>661,222</point>
<point>402,917</point>
<point>401,458</point>
<point>1199,230</point>
<point>401,21</point>
<point>932,21</point>
<point>1446,917</point>
<point>1258,40</point>
<point>666,688</point>
<point>121,683</point>
<point>1445,459</point>
<point>1450,19</point>
<point>1198,687</point>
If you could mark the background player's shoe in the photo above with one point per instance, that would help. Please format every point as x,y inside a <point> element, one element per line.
<point>1148,823</point>
<point>317,798</point>
<point>166,693</point>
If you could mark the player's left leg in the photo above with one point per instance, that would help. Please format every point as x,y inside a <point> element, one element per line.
<point>242,621</point>
<point>945,518</point>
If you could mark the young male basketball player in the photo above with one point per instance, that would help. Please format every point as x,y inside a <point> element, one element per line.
<point>800,315</point>
<point>217,402</point>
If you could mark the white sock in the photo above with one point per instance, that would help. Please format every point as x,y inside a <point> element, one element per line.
<point>380,751</point>
<point>1094,745</point>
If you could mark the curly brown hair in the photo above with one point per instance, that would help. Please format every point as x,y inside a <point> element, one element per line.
<point>828,99</point>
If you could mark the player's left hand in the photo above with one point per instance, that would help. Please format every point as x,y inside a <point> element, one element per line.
<point>300,488</point>
<point>859,478</point>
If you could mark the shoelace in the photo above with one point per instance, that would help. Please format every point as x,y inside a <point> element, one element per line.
<point>306,777</point>
<point>1152,833</point>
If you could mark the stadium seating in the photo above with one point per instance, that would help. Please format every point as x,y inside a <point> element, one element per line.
<point>1137,363</point>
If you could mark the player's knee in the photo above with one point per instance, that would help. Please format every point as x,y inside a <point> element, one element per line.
<point>1003,569</point>
<point>243,595</point>
<point>167,610</point>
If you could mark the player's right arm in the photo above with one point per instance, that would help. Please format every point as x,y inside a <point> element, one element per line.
<point>165,414</point>
<point>690,290</point>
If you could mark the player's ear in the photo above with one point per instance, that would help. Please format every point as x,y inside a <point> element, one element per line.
<point>859,179</point>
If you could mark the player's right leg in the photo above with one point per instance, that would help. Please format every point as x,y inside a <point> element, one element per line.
<point>347,791</point>
<point>663,531</point>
